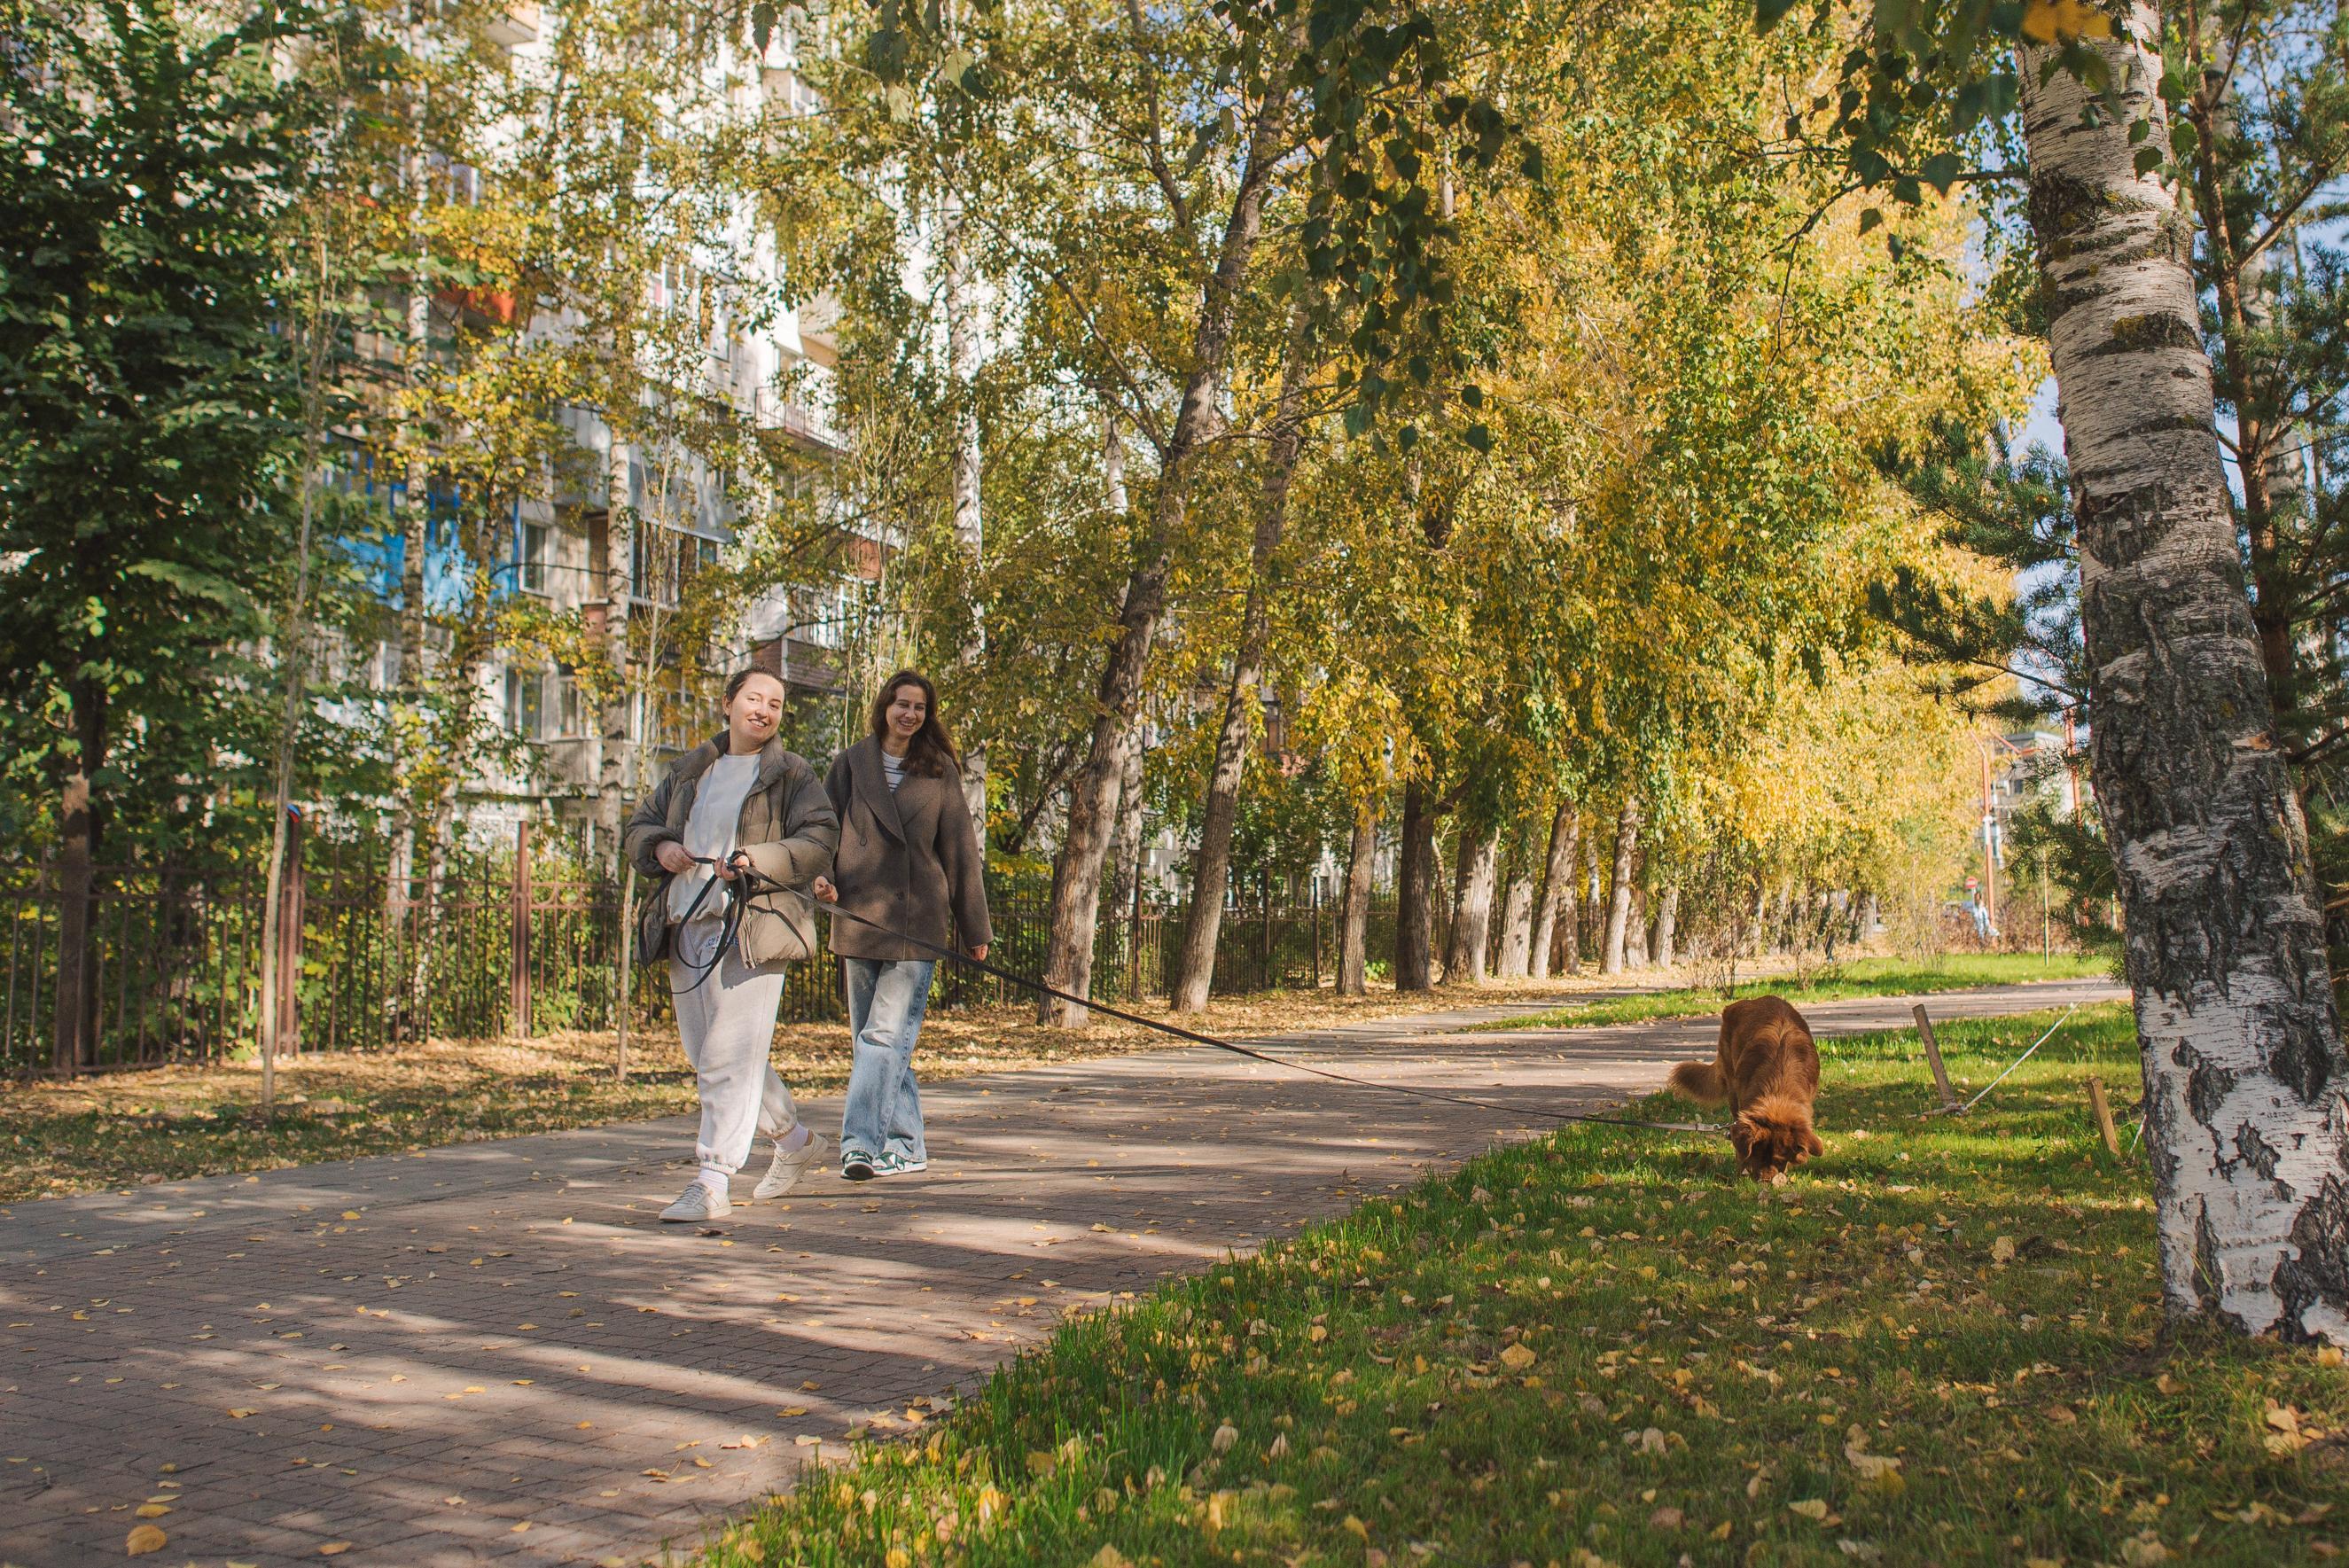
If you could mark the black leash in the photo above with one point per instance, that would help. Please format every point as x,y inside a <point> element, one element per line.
<point>749,873</point>
<point>730,924</point>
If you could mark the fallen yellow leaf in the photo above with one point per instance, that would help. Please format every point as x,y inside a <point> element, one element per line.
<point>334,1548</point>
<point>1517,1358</point>
<point>143,1539</point>
<point>150,1511</point>
<point>1812,1508</point>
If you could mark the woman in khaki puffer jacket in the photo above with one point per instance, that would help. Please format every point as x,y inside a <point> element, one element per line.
<point>741,800</point>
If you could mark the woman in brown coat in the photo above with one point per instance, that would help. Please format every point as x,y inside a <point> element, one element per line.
<point>909,861</point>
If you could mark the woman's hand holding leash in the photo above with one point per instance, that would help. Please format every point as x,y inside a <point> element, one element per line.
<point>673,857</point>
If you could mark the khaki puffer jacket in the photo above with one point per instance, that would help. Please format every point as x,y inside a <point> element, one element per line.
<point>788,829</point>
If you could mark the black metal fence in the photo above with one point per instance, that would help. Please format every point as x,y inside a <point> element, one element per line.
<point>507,941</point>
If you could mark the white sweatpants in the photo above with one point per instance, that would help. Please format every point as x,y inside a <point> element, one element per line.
<point>727,1026</point>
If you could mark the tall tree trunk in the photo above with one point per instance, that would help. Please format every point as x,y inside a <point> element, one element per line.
<point>616,760</point>
<point>2237,289</point>
<point>1464,951</point>
<point>1093,794</point>
<point>415,540</point>
<point>1414,954</point>
<point>2247,1085</point>
<point>970,523</point>
<point>1635,932</point>
<point>1618,898</point>
<point>1668,919</point>
<point>1593,922</point>
<point>80,834</point>
<point>1126,849</point>
<point>1517,925</point>
<point>1354,923</point>
<point>293,649</point>
<point>1243,700</point>
<point>1558,901</point>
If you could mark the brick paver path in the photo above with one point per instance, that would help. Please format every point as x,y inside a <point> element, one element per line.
<point>495,1352</point>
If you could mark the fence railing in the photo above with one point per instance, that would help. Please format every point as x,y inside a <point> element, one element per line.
<point>507,941</point>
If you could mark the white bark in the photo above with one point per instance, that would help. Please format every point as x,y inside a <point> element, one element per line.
<point>1472,910</point>
<point>1518,926</point>
<point>1558,901</point>
<point>1618,900</point>
<point>2247,1086</point>
<point>970,523</point>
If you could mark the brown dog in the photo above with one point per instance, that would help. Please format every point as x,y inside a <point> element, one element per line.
<point>1767,1069</point>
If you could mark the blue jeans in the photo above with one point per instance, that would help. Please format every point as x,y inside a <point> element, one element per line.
<point>886,999</point>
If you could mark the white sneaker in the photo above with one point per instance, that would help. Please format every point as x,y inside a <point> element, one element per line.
<point>698,1201</point>
<point>788,1164</point>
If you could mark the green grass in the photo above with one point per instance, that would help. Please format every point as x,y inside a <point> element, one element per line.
<point>1597,1347</point>
<point>1858,977</point>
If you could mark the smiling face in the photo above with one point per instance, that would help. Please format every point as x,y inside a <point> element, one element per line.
<point>908,711</point>
<point>753,713</point>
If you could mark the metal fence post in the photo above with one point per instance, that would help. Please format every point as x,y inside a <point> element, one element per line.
<point>518,915</point>
<point>71,1046</point>
<point>290,890</point>
<point>1317,933</point>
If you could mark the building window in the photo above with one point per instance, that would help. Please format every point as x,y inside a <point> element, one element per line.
<point>525,704</point>
<point>567,712</point>
<point>666,559</point>
<point>533,541</point>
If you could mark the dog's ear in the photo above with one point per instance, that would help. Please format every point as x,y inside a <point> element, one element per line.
<point>1742,1133</point>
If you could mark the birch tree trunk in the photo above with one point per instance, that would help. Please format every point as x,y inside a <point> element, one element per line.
<point>614,774</point>
<point>1558,901</point>
<point>1465,953</point>
<point>1415,953</point>
<point>1668,919</point>
<point>1518,926</point>
<point>2247,1086</point>
<point>1125,848</point>
<point>1093,794</point>
<point>1354,921</point>
<point>1635,932</point>
<point>1243,700</point>
<point>1619,900</point>
<point>970,524</point>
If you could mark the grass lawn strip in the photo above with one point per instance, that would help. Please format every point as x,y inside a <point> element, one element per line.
<point>1856,977</point>
<point>1939,1345</point>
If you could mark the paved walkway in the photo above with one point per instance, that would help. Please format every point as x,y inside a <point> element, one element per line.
<point>494,1352</point>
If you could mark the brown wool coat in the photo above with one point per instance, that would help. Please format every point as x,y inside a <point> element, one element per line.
<point>910,861</point>
<point>788,829</point>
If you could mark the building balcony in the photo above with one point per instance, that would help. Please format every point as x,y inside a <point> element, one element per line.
<point>515,25</point>
<point>773,412</point>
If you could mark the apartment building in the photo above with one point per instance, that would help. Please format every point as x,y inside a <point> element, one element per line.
<point>767,372</point>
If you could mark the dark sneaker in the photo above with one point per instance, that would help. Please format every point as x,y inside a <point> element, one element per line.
<point>858,1166</point>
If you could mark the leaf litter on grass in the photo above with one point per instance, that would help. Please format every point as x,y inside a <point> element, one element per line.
<point>127,1130</point>
<point>1844,1369</point>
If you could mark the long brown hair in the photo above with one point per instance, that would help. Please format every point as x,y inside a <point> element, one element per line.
<point>931,752</point>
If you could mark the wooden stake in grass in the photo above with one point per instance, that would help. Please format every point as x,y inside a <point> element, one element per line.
<point>1934,1058</point>
<point>2104,1113</point>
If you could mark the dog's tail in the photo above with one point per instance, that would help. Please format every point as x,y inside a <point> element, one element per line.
<point>1701,1081</point>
